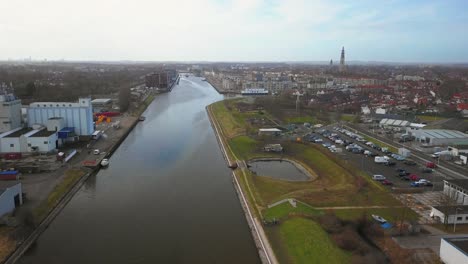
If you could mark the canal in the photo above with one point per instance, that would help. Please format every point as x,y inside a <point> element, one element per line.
<point>167,196</point>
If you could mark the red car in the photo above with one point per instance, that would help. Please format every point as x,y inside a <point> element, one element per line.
<point>431,165</point>
<point>387,182</point>
<point>414,177</point>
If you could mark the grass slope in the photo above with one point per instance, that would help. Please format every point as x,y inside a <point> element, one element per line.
<point>307,242</point>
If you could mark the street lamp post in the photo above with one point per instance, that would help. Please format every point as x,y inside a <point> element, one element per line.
<point>455,220</point>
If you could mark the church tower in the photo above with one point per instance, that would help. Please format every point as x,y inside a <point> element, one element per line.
<point>342,61</point>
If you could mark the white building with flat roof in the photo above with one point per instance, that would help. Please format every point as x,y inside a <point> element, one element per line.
<point>440,137</point>
<point>454,250</point>
<point>77,115</point>
<point>10,197</point>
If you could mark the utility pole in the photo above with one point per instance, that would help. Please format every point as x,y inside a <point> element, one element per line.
<point>455,220</point>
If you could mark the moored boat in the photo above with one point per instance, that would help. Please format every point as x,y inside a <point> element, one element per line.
<point>104,162</point>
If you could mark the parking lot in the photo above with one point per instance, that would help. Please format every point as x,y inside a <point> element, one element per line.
<point>353,148</point>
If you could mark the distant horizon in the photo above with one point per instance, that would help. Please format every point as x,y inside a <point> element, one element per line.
<point>309,62</point>
<point>418,31</point>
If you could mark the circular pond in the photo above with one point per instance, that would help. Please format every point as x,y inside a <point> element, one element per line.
<point>279,169</point>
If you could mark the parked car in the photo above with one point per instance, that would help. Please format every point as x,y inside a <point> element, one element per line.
<point>390,163</point>
<point>403,173</point>
<point>409,162</point>
<point>400,158</point>
<point>431,165</point>
<point>378,177</point>
<point>405,178</point>
<point>414,177</point>
<point>387,182</point>
<point>426,170</point>
<point>415,184</point>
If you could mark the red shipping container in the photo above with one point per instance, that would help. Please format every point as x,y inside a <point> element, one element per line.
<point>12,156</point>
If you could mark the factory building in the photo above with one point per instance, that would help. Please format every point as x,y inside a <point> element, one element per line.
<point>440,137</point>
<point>78,116</point>
<point>10,112</point>
<point>23,140</point>
<point>101,105</point>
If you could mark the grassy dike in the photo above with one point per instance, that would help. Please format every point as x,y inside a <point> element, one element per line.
<point>337,187</point>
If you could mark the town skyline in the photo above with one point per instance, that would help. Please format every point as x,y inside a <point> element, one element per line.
<point>239,30</point>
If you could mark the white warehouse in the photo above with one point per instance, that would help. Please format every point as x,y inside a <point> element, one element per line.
<point>454,250</point>
<point>78,116</point>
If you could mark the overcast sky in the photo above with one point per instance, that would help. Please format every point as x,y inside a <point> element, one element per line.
<point>235,30</point>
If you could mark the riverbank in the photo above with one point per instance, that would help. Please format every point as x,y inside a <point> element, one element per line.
<point>217,86</point>
<point>261,241</point>
<point>67,187</point>
<point>340,192</point>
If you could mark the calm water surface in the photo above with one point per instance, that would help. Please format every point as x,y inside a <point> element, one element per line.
<point>167,196</point>
<point>283,170</point>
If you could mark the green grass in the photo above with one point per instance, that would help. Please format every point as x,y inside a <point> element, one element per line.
<point>306,242</point>
<point>71,177</point>
<point>144,104</point>
<point>243,146</point>
<point>390,214</point>
<point>427,118</point>
<point>230,125</point>
<point>381,144</point>
<point>347,117</point>
<point>301,119</point>
<point>336,184</point>
<point>285,209</point>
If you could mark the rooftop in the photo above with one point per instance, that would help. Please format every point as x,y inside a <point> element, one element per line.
<point>101,101</point>
<point>269,130</point>
<point>461,243</point>
<point>443,133</point>
<point>462,183</point>
<point>450,210</point>
<point>7,184</point>
<point>43,133</point>
<point>19,132</point>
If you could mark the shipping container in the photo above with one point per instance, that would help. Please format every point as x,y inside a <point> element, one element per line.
<point>12,156</point>
<point>9,175</point>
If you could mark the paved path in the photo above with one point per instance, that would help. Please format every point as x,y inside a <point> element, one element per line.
<point>357,207</point>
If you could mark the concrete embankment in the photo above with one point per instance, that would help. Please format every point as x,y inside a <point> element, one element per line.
<point>261,241</point>
<point>24,246</point>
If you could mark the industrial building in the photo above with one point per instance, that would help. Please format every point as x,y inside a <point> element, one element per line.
<point>457,190</point>
<point>454,250</point>
<point>451,214</point>
<point>10,112</point>
<point>10,197</point>
<point>269,131</point>
<point>163,79</point>
<point>76,116</point>
<point>23,140</point>
<point>101,104</point>
<point>440,137</point>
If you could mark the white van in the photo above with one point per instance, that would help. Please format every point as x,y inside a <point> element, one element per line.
<point>379,159</point>
<point>378,177</point>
